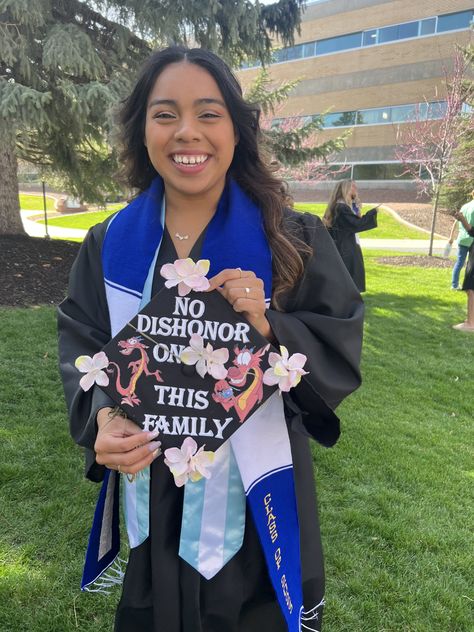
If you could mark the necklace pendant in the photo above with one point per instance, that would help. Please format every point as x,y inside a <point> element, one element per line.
<point>181,237</point>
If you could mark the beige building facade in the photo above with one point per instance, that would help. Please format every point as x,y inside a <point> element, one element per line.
<point>371,66</point>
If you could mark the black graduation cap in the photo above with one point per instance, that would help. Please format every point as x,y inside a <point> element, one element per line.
<point>207,399</point>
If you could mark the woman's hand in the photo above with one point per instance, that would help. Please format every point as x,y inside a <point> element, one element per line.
<point>121,445</point>
<point>246,293</point>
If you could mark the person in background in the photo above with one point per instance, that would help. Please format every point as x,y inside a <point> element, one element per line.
<point>464,241</point>
<point>468,284</point>
<point>343,225</point>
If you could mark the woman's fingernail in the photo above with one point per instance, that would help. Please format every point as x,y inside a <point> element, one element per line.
<point>153,445</point>
<point>154,433</point>
<point>156,453</point>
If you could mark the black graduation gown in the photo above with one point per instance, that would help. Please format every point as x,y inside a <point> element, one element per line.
<point>343,230</point>
<point>322,318</point>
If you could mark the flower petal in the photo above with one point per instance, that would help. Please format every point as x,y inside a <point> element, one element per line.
<point>195,476</point>
<point>284,353</point>
<point>84,363</point>
<point>183,288</point>
<point>178,469</point>
<point>184,267</point>
<point>87,381</point>
<point>189,447</point>
<point>101,378</point>
<point>220,356</point>
<point>280,369</point>
<point>181,480</point>
<point>273,358</point>
<point>269,378</point>
<point>189,356</point>
<point>197,342</point>
<point>201,367</point>
<point>168,271</point>
<point>203,285</point>
<point>173,455</point>
<point>100,360</point>
<point>202,266</point>
<point>296,361</point>
<point>172,282</point>
<point>218,371</point>
<point>285,384</point>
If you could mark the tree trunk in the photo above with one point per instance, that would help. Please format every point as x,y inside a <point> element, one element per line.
<point>10,219</point>
<point>433,222</point>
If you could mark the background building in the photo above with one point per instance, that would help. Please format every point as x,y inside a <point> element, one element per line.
<point>372,63</point>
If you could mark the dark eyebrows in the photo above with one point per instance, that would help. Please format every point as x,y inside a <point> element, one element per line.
<point>172,102</point>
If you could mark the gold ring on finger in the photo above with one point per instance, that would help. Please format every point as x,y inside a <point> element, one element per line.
<point>240,270</point>
<point>247,290</point>
<point>118,469</point>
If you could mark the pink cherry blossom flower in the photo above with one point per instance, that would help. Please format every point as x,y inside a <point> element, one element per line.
<point>206,359</point>
<point>187,275</point>
<point>93,369</point>
<point>285,370</point>
<point>188,463</point>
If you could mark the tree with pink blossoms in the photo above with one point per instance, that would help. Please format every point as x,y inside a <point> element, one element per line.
<point>427,146</point>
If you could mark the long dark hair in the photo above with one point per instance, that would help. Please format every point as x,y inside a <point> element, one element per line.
<point>248,167</point>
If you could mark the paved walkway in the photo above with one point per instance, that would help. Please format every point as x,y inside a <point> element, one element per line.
<point>420,246</point>
<point>36,229</point>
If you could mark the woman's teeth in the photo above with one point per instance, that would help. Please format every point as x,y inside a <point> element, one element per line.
<point>189,160</point>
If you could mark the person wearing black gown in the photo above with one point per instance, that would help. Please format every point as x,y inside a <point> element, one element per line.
<point>344,225</point>
<point>468,283</point>
<point>186,123</point>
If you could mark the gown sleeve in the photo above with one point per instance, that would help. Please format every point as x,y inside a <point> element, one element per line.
<point>84,328</point>
<point>350,222</point>
<point>323,319</point>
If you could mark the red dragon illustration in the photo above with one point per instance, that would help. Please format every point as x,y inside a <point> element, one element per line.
<point>228,392</point>
<point>138,367</point>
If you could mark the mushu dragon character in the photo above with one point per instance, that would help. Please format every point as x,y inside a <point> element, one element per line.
<point>138,367</point>
<point>243,387</point>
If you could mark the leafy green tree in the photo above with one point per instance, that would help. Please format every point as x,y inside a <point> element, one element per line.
<point>293,142</point>
<point>65,63</point>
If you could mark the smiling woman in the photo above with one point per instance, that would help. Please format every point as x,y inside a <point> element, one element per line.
<point>211,555</point>
<point>190,140</point>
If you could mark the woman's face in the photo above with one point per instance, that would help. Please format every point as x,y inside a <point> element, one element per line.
<point>189,133</point>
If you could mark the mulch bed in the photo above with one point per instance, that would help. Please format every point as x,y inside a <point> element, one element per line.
<point>417,261</point>
<point>34,271</point>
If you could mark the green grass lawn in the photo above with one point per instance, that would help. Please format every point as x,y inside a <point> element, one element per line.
<point>84,220</point>
<point>388,227</point>
<point>396,493</point>
<point>34,202</point>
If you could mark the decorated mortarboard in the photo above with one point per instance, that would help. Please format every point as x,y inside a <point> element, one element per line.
<point>190,366</point>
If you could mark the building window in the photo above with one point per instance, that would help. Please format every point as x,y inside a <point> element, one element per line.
<point>309,50</point>
<point>454,21</point>
<point>428,26</point>
<point>374,116</point>
<point>295,52</point>
<point>339,119</point>
<point>336,44</point>
<point>387,171</point>
<point>393,33</point>
<point>369,37</point>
